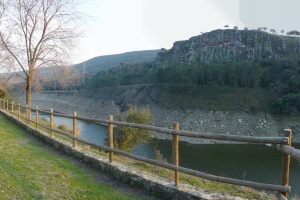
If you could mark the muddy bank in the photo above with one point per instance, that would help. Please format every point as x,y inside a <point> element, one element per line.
<point>209,121</point>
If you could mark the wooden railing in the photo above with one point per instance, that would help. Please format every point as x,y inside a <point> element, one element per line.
<point>284,145</point>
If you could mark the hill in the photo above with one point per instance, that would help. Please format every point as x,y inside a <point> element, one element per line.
<point>230,46</point>
<point>221,58</point>
<point>101,63</point>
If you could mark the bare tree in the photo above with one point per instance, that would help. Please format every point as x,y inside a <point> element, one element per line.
<point>67,77</point>
<point>62,78</point>
<point>38,33</point>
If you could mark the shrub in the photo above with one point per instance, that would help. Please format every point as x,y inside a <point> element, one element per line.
<point>126,138</point>
<point>63,127</point>
<point>2,94</point>
<point>278,105</point>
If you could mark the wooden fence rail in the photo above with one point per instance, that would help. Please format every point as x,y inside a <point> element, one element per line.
<point>283,145</point>
<point>295,153</point>
<point>236,138</point>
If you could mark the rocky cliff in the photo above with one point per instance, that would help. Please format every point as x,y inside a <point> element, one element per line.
<point>229,45</point>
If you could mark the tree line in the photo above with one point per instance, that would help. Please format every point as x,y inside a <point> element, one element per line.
<point>282,77</point>
<point>240,74</point>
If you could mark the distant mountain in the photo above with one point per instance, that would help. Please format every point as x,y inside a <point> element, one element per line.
<point>101,63</point>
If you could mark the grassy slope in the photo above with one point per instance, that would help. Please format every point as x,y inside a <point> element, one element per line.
<point>217,98</point>
<point>186,97</point>
<point>28,171</point>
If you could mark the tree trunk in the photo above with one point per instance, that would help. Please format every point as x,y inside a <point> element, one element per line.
<point>28,99</point>
<point>28,93</point>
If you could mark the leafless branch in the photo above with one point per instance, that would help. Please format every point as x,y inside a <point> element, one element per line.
<point>38,33</point>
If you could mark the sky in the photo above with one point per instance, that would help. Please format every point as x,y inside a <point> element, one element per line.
<point>118,26</point>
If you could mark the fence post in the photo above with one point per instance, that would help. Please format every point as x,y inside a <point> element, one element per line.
<point>74,130</point>
<point>12,108</point>
<point>19,110</point>
<point>1,102</point>
<point>175,152</point>
<point>7,105</point>
<point>36,117</point>
<point>51,122</point>
<point>111,137</point>
<point>286,159</point>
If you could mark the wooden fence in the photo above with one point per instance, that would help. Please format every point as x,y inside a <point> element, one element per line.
<point>283,145</point>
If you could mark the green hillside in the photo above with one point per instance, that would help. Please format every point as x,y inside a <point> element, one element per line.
<point>101,63</point>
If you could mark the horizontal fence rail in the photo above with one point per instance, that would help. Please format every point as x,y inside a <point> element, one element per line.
<point>295,153</point>
<point>235,138</point>
<point>283,144</point>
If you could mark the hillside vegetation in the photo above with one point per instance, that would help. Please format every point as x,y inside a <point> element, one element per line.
<point>279,79</point>
<point>231,60</point>
<point>100,63</point>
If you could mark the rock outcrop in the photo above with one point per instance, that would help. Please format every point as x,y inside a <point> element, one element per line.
<point>229,45</point>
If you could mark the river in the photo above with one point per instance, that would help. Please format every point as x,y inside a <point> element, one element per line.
<point>253,162</point>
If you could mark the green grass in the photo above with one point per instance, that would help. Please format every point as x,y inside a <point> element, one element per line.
<point>28,171</point>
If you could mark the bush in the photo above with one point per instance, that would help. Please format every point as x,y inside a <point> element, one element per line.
<point>2,94</point>
<point>126,138</point>
<point>63,127</point>
<point>278,105</point>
